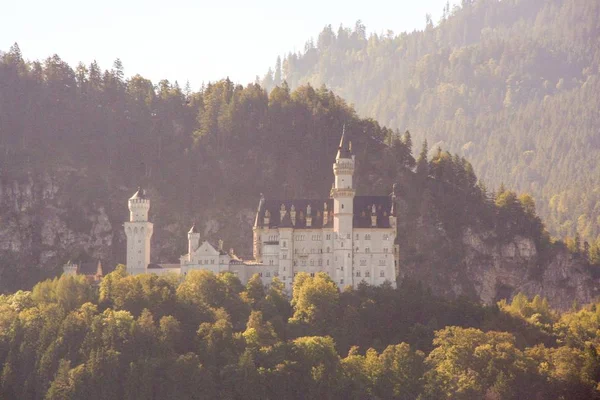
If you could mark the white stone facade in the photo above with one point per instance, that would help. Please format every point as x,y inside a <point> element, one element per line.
<point>351,238</point>
<point>139,232</point>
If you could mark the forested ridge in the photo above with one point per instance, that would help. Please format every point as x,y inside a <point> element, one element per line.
<point>208,336</point>
<point>77,142</point>
<point>512,85</point>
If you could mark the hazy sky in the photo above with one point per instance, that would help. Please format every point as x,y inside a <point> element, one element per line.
<point>199,41</point>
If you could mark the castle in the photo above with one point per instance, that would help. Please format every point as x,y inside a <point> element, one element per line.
<point>351,238</point>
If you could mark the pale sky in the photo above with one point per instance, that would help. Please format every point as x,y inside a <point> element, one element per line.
<point>199,41</point>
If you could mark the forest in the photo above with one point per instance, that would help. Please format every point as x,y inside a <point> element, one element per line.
<point>208,336</point>
<point>512,85</point>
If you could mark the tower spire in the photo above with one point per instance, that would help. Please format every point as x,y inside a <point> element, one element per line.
<point>344,149</point>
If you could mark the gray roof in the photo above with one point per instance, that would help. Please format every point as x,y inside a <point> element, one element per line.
<point>90,268</point>
<point>140,194</point>
<point>344,149</point>
<point>363,209</point>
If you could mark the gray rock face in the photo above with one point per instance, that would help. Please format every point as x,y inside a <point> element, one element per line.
<point>40,225</point>
<point>499,270</point>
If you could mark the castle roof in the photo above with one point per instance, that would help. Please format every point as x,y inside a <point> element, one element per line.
<point>193,229</point>
<point>140,194</point>
<point>344,149</point>
<point>91,268</point>
<point>363,209</point>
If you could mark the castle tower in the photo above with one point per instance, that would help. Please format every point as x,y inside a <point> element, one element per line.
<point>138,231</point>
<point>343,213</point>
<point>193,241</point>
<point>257,231</point>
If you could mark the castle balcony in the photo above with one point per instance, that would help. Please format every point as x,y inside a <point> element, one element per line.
<point>337,192</point>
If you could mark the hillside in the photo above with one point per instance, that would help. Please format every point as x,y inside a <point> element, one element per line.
<point>77,142</point>
<point>512,85</point>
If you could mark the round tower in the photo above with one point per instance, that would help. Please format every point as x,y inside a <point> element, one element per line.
<point>343,211</point>
<point>139,232</point>
<point>193,241</point>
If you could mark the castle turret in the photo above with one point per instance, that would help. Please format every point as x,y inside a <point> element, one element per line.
<point>343,210</point>
<point>259,222</point>
<point>70,268</point>
<point>139,232</point>
<point>394,227</point>
<point>193,240</point>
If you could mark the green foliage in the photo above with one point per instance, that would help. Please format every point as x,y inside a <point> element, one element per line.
<point>69,292</point>
<point>512,85</point>
<point>367,343</point>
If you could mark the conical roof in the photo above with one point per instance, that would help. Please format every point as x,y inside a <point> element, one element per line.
<point>140,194</point>
<point>344,149</point>
<point>193,229</point>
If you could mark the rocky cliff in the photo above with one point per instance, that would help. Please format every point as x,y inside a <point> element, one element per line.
<point>489,269</point>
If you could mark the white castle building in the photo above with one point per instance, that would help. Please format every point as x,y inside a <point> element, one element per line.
<point>351,238</point>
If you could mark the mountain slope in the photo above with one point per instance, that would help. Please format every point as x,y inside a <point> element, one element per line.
<point>76,143</point>
<point>513,85</point>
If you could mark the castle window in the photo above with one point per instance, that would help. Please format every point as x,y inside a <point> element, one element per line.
<point>341,281</point>
<point>358,274</point>
<point>328,249</point>
<point>284,244</point>
<point>357,236</point>
<point>367,250</point>
<point>275,273</point>
<point>303,263</point>
<point>385,249</point>
<point>284,278</point>
<point>260,274</point>
<point>382,262</point>
<point>328,236</point>
<point>363,263</point>
<point>367,274</point>
<point>386,236</point>
<point>342,268</point>
<point>295,251</point>
<point>382,274</point>
<point>348,236</point>
<point>320,262</point>
<point>271,262</point>
<point>327,262</point>
<point>312,263</point>
<point>268,274</point>
<point>284,256</point>
<point>295,263</point>
<point>342,206</point>
<point>312,274</point>
<point>368,236</point>
<point>295,273</point>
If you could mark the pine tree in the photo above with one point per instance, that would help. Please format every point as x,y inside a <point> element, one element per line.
<point>422,162</point>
